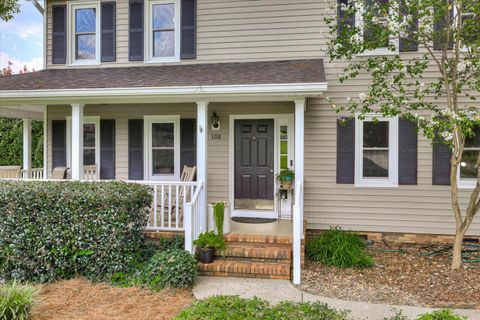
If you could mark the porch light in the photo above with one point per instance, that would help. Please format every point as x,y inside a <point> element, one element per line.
<point>215,122</point>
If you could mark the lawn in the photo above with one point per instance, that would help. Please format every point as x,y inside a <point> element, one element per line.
<point>79,299</point>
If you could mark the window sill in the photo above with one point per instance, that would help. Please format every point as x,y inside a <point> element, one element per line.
<point>376,184</point>
<point>466,184</point>
<point>162,61</point>
<point>378,52</point>
<point>85,63</point>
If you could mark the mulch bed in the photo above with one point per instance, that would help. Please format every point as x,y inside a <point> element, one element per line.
<point>403,275</point>
<point>80,299</point>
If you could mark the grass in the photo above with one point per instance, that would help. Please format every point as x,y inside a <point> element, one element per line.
<point>17,300</point>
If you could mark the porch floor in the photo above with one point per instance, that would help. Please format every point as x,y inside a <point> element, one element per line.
<point>277,228</point>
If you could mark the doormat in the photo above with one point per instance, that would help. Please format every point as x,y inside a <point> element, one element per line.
<point>252,220</point>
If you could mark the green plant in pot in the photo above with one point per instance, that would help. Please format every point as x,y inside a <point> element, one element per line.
<point>219,216</point>
<point>286,177</point>
<point>208,243</point>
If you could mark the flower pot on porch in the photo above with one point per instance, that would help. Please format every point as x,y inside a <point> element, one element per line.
<point>226,220</point>
<point>207,255</point>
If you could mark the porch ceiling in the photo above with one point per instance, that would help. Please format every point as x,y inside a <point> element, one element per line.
<point>276,80</point>
<point>28,112</point>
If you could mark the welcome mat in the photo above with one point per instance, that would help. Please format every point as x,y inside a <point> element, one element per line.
<point>252,220</point>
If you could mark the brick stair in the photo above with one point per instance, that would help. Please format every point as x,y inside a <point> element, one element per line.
<point>252,256</point>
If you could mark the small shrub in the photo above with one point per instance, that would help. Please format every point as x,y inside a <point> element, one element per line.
<point>16,301</point>
<point>235,308</point>
<point>445,314</point>
<point>397,316</point>
<point>52,230</point>
<point>176,242</point>
<point>339,248</point>
<point>210,240</point>
<point>171,268</point>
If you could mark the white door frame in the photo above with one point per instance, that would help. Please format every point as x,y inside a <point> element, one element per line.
<point>278,119</point>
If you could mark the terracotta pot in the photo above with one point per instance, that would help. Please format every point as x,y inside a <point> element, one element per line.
<point>286,184</point>
<point>207,255</point>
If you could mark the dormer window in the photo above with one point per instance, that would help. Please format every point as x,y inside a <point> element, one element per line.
<point>163,31</point>
<point>84,33</point>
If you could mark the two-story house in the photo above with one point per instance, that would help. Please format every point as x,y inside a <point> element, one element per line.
<point>141,88</point>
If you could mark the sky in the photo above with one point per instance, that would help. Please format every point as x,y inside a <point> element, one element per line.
<point>21,39</point>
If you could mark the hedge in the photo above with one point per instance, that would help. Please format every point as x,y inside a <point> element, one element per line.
<point>52,230</point>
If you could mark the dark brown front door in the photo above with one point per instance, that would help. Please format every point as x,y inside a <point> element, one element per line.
<point>254,164</point>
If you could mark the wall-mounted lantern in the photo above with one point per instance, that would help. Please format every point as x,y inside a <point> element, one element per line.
<point>215,121</point>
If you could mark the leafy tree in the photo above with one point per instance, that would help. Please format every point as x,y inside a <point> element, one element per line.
<point>8,8</point>
<point>443,105</point>
<point>11,142</point>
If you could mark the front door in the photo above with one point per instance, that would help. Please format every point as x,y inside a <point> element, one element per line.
<point>254,164</point>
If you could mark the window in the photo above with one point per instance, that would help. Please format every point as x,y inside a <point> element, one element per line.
<point>468,167</point>
<point>162,147</point>
<point>469,23</point>
<point>163,38</point>
<point>283,147</point>
<point>371,29</point>
<point>376,152</point>
<point>84,33</point>
<point>91,141</point>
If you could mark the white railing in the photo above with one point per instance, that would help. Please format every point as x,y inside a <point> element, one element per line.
<point>297,232</point>
<point>195,218</point>
<point>167,212</point>
<point>34,174</point>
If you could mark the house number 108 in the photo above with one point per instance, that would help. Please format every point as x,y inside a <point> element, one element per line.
<point>216,136</point>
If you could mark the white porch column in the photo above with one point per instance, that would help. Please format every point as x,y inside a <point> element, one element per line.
<point>45,143</point>
<point>202,132</point>
<point>27,146</point>
<point>299,174</point>
<point>77,141</point>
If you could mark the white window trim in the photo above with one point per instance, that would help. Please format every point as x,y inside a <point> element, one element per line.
<point>149,120</point>
<point>379,51</point>
<point>148,36</point>
<point>86,120</point>
<point>392,180</point>
<point>72,6</point>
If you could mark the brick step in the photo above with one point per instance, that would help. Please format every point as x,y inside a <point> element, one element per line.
<point>246,269</point>
<point>258,238</point>
<point>258,251</point>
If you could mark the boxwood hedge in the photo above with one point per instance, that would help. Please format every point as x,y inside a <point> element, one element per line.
<point>52,230</point>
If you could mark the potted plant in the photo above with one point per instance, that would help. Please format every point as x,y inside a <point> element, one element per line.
<point>285,178</point>
<point>207,243</point>
<point>219,214</point>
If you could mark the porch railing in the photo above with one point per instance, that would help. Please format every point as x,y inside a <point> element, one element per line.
<point>32,174</point>
<point>195,218</point>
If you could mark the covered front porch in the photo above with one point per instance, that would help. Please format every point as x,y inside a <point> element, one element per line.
<point>237,137</point>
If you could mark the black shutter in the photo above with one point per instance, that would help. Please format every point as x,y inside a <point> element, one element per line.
<point>407,152</point>
<point>439,27</point>
<point>441,167</point>
<point>59,143</point>
<point>343,18</point>
<point>108,31</point>
<point>188,143</point>
<point>59,34</point>
<point>188,30</point>
<point>411,42</point>
<point>107,149</point>
<point>135,149</point>
<point>135,37</point>
<point>346,152</point>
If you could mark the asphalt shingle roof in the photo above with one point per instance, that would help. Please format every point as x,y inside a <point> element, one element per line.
<point>242,73</point>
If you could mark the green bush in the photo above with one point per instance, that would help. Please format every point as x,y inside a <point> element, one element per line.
<point>167,243</point>
<point>445,314</point>
<point>339,248</point>
<point>11,142</point>
<point>51,230</point>
<point>16,301</point>
<point>168,269</point>
<point>210,240</point>
<point>235,308</point>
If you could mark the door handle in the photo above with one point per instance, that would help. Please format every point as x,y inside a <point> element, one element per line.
<point>271,170</point>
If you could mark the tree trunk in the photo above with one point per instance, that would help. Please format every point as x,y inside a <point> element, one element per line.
<point>457,250</point>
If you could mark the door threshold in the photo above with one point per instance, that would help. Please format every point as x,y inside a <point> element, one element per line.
<point>269,214</point>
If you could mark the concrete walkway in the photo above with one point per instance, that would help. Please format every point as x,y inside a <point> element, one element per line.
<point>275,291</point>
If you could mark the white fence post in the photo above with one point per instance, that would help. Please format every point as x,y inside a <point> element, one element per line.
<point>27,147</point>
<point>77,141</point>
<point>187,222</point>
<point>202,131</point>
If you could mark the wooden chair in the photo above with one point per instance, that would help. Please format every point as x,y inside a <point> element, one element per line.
<point>59,173</point>
<point>10,172</point>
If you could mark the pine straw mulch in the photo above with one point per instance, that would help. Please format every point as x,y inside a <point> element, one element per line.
<point>403,275</point>
<point>79,299</point>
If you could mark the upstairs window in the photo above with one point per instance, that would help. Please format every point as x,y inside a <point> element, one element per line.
<point>468,167</point>
<point>163,32</point>
<point>376,156</point>
<point>84,33</point>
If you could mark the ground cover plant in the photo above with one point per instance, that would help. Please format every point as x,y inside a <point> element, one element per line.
<point>235,308</point>
<point>17,301</point>
<point>444,314</point>
<point>339,248</point>
<point>55,230</point>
